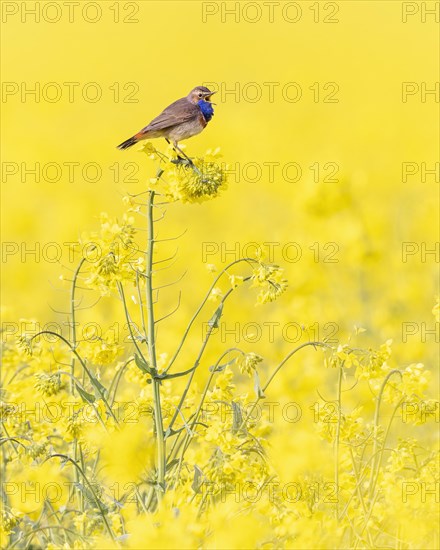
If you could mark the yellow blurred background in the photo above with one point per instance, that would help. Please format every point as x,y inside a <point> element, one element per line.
<point>315,85</point>
<point>327,117</point>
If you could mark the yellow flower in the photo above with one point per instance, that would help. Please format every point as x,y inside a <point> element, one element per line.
<point>149,149</point>
<point>269,278</point>
<point>48,384</point>
<point>248,363</point>
<point>110,255</point>
<point>197,180</point>
<point>415,379</point>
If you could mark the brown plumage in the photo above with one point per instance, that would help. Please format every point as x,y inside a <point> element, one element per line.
<point>183,119</point>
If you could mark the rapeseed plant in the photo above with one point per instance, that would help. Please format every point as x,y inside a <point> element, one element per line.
<point>134,445</point>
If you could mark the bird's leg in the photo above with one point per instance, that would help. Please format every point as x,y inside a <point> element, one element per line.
<point>177,148</point>
<point>193,166</point>
<point>174,147</point>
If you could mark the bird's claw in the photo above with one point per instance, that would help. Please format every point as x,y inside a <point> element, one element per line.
<point>181,160</point>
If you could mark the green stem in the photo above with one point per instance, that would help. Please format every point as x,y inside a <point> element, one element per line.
<point>199,309</point>
<point>185,442</point>
<point>129,322</point>
<point>196,365</point>
<point>158,419</point>
<point>338,437</point>
<point>102,511</point>
<point>376,427</point>
<point>73,317</point>
<point>83,364</point>
<point>275,372</point>
<point>72,367</point>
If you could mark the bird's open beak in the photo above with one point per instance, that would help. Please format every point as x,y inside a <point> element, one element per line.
<point>208,97</point>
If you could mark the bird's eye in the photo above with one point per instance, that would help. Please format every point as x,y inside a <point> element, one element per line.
<point>200,94</point>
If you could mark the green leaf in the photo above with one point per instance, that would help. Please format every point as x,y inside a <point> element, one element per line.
<point>213,322</point>
<point>142,365</point>
<point>171,464</point>
<point>257,387</point>
<point>85,396</point>
<point>237,417</point>
<point>90,496</point>
<point>198,479</point>
<point>170,432</point>
<point>220,368</point>
<point>100,390</point>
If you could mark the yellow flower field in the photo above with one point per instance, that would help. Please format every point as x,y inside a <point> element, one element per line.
<point>238,349</point>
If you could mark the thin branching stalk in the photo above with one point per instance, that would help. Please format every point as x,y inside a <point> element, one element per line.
<point>279,367</point>
<point>116,380</point>
<point>197,362</point>
<point>359,482</point>
<point>73,320</point>
<point>12,441</point>
<point>141,303</point>
<point>72,366</point>
<point>31,534</point>
<point>189,434</point>
<point>338,435</point>
<point>376,426</point>
<point>358,490</point>
<point>382,448</point>
<point>96,386</point>
<point>90,487</point>
<point>199,309</point>
<point>129,321</point>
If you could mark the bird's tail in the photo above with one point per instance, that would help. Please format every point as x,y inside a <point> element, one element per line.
<point>129,142</point>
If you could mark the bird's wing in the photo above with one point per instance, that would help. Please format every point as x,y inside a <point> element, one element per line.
<point>177,113</point>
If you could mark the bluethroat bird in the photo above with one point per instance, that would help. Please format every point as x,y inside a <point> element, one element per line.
<point>183,119</point>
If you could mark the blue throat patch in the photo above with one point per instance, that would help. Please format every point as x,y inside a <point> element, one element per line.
<point>206,108</point>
